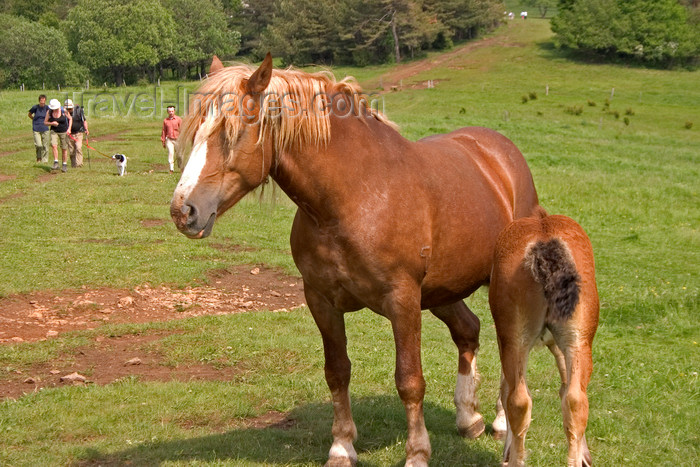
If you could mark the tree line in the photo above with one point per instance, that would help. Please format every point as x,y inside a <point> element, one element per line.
<point>653,32</point>
<point>66,42</point>
<point>63,42</point>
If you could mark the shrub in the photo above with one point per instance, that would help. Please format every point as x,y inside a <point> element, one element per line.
<point>524,99</point>
<point>591,103</point>
<point>688,125</point>
<point>574,110</point>
<point>532,95</point>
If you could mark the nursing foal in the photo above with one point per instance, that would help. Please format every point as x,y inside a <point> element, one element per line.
<point>543,281</point>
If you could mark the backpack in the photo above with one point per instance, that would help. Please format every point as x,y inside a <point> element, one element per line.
<point>78,114</point>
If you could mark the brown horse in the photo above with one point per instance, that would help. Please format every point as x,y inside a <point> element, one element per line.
<point>543,282</point>
<point>384,223</point>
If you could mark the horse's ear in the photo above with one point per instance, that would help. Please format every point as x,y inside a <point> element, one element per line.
<point>259,80</point>
<point>216,65</point>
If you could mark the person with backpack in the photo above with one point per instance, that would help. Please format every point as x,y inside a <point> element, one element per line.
<point>78,128</point>
<point>59,121</point>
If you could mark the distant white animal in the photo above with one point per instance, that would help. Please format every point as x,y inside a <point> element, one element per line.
<point>120,159</point>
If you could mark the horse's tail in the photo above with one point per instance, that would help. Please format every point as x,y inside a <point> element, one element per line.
<point>553,267</point>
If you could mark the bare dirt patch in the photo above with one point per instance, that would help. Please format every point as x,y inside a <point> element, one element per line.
<point>5,178</point>
<point>46,177</point>
<point>12,196</point>
<point>45,315</point>
<point>152,222</point>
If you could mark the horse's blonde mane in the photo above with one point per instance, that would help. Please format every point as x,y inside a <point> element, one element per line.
<point>292,113</point>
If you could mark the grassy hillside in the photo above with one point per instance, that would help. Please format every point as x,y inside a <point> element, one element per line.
<point>623,163</point>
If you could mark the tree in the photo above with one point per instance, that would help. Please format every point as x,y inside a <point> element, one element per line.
<point>543,5</point>
<point>134,35</point>
<point>653,31</point>
<point>23,62</point>
<point>202,32</point>
<point>250,18</point>
<point>464,19</point>
<point>304,31</point>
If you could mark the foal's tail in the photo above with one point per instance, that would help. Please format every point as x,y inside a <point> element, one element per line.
<point>553,267</point>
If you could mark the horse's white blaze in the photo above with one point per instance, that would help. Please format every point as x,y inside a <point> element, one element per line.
<point>465,398</point>
<point>193,169</point>
<point>198,156</point>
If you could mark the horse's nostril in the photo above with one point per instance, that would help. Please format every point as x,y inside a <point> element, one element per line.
<point>190,213</point>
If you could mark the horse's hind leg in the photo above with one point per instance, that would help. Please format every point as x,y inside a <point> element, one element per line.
<point>574,401</point>
<point>331,323</point>
<point>464,327</point>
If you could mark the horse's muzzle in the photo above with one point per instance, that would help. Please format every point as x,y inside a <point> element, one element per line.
<point>192,221</point>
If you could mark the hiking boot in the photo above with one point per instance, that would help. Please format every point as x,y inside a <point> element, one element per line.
<point>64,167</point>
<point>55,165</point>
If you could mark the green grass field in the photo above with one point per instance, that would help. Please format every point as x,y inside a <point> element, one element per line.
<point>622,163</point>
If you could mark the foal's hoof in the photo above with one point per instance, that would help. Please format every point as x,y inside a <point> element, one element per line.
<point>499,434</point>
<point>474,430</point>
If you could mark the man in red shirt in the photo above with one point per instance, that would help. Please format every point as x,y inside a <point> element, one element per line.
<point>171,130</point>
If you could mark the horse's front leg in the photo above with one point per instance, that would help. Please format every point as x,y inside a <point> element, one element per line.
<point>403,309</point>
<point>331,323</point>
<point>464,328</point>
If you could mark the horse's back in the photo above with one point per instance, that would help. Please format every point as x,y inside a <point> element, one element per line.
<point>499,160</point>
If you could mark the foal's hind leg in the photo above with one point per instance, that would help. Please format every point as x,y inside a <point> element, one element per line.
<point>464,327</point>
<point>574,401</point>
<point>331,323</point>
<point>559,359</point>
<point>515,396</point>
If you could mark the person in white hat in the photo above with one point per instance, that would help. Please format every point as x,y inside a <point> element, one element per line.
<point>59,122</point>
<point>78,127</point>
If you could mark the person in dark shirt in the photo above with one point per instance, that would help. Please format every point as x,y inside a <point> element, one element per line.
<point>60,123</point>
<point>78,127</point>
<point>41,132</point>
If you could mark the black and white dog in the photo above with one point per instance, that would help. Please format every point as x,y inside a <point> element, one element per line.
<point>121,163</point>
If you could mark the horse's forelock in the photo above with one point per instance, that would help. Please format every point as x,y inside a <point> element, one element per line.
<point>291,108</point>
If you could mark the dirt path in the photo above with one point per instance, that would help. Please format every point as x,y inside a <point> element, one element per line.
<point>45,315</point>
<point>401,75</point>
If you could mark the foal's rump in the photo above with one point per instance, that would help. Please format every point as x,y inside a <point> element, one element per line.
<point>545,264</point>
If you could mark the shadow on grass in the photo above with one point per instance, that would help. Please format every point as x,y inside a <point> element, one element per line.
<point>305,437</point>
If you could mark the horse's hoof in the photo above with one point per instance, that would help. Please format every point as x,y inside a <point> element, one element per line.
<point>340,462</point>
<point>420,462</point>
<point>499,434</point>
<point>474,430</point>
